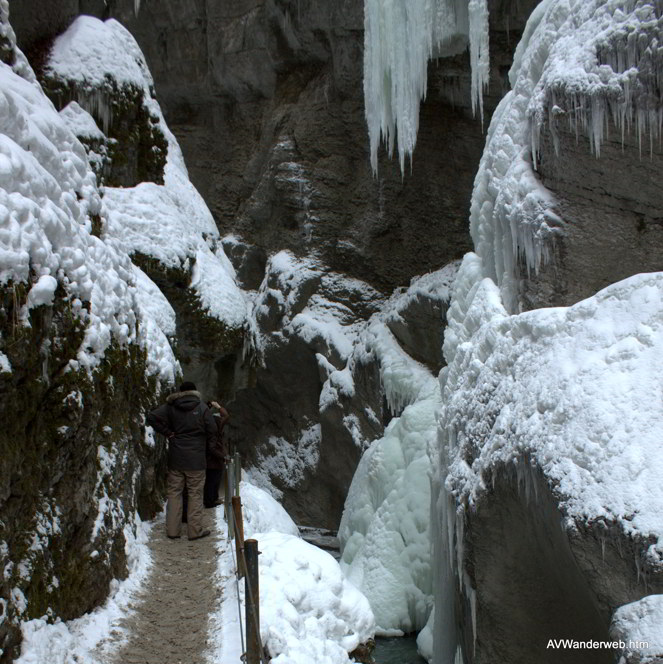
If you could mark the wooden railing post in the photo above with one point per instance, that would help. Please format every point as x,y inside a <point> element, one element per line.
<point>238,472</point>
<point>252,598</point>
<point>239,534</point>
<point>227,495</point>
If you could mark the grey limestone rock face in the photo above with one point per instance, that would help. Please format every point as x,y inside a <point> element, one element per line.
<point>537,578</point>
<point>611,207</point>
<point>52,483</point>
<point>266,100</point>
<point>289,436</point>
<point>75,462</point>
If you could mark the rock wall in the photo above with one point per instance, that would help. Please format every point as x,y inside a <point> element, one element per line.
<point>61,426</point>
<point>266,100</point>
<point>540,577</point>
<point>75,460</point>
<point>613,226</point>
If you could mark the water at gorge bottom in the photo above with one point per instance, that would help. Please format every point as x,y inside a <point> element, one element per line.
<point>397,650</point>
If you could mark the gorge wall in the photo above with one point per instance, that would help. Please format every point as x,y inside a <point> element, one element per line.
<point>266,100</point>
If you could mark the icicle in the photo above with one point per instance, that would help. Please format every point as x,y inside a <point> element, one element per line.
<point>445,634</point>
<point>460,523</point>
<point>471,596</point>
<point>458,658</point>
<point>450,517</point>
<point>400,37</point>
<point>479,52</point>
<point>136,7</point>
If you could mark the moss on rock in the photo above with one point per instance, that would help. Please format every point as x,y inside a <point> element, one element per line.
<point>74,464</point>
<point>136,149</point>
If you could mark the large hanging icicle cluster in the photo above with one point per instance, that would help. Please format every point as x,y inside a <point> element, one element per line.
<point>400,36</point>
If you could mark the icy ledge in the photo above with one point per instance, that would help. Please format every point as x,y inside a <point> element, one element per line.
<point>575,388</point>
<point>586,63</point>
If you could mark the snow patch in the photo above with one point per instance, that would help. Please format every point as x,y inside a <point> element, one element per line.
<point>87,639</point>
<point>640,626</point>
<point>308,611</point>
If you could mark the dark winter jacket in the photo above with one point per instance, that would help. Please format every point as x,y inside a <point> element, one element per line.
<point>217,452</point>
<point>189,425</point>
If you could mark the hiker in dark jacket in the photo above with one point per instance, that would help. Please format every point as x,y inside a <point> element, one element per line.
<point>190,428</point>
<point>216,458</point>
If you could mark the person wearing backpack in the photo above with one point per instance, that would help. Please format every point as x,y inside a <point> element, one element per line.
<point>188,424</point>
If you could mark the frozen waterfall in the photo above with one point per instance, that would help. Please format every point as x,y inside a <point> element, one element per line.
<point>400,37</point>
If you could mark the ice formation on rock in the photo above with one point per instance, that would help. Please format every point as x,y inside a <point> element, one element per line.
<point>400,37</point>
<point>572,389</point>
<point>384,531</point>
<point>585,63</point>
<point>47,195</point>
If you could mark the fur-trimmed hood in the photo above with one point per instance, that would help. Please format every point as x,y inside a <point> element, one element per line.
<point>186,400</point>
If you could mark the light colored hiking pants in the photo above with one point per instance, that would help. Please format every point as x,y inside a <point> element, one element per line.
<point>194,480</point>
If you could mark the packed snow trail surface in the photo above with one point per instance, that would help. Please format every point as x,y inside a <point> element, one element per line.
<point>171,620</point>
<point>169,610</point>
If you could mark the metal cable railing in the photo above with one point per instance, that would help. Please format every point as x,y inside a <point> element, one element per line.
<point>239,605</point>
<point>233,469</point>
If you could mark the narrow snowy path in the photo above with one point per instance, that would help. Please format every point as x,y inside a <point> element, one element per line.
<point>170,623</point>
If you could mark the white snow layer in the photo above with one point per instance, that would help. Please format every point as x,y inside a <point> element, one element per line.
<point>308,611</point>
<point>639,626</point>
<point>574,391</point>
<point>47,194</point>
<point>82,52</point>
<point>168,222</point>
<point>574,388</point>
<point>585,62</point>
<point>92,638</point>
<point>262,513</point>
<point>400,36</point>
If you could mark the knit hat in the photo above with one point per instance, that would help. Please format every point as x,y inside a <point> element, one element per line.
<point>187,386</point>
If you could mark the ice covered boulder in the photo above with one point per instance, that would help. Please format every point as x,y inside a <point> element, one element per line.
<point>549,516</point>
<point>639,629</point>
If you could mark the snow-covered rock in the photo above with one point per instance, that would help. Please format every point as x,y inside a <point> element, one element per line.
<point>308,610</point>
